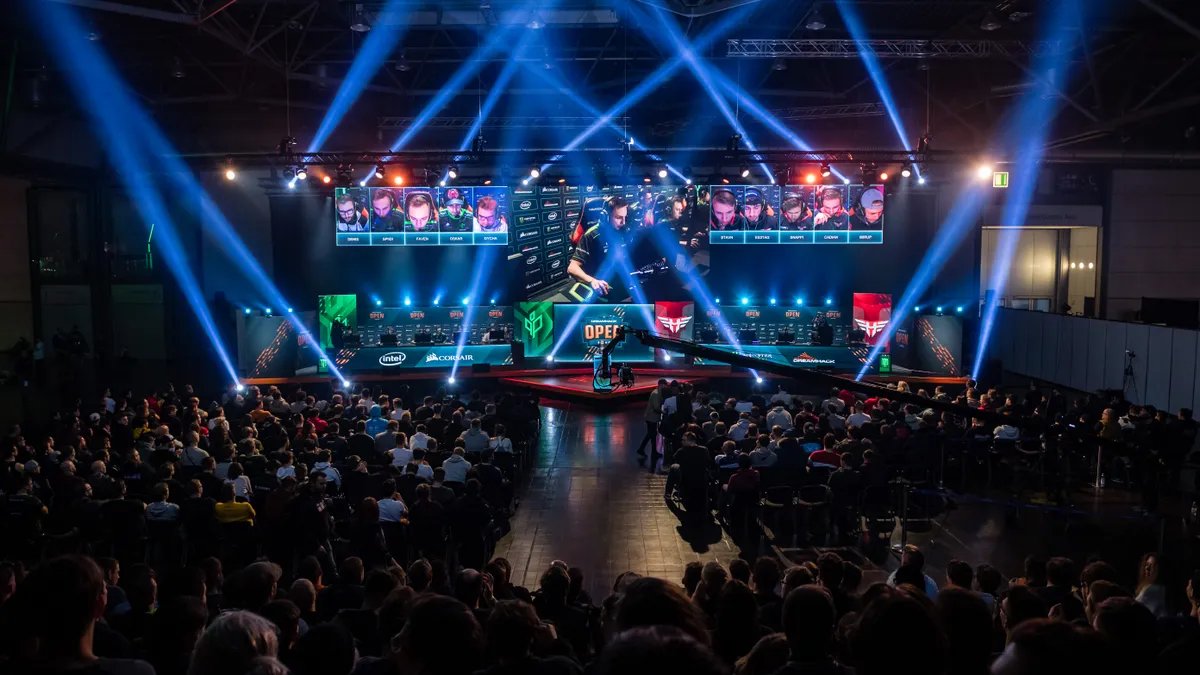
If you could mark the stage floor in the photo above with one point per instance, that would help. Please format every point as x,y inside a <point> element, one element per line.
<point>579,387</point>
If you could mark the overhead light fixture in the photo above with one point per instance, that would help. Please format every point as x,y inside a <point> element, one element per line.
<point>535,21</point>
<point>358,20</point>
<point>826,169</point>
<point>452,172</point>
<point>301,172</point>
<point>535,172</point>
<point>380,171</point>
<point>662,172</point>
<point>906,169</point>
<point>230,173</point>
<point>990,22</point>
<point>984,171</point>
<point>177,70</point>
<point>815,20</point>
<point>845,181</point>
<point>326,179</point>
<point>402,63</point>
<point>883,175</point>
<point>810,178</point>
<point>779,65</point>
<point>745,171</point>
<point>920,180</point>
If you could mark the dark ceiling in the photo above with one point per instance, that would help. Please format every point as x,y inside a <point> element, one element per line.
<point>234,75</point>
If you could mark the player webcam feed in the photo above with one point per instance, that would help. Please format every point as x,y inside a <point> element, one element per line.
<point>805,214</point>
<point>421,216</point>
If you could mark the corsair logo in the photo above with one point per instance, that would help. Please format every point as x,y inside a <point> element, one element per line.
<point>872,328</point>
<point>433,358</point>
<point>674,324</point>
<point>805,358</point>
<point>392,359</point>
<point>525,205</point>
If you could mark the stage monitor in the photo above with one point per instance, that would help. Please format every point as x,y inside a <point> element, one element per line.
<point>796,214</point>
<point>421,216</point>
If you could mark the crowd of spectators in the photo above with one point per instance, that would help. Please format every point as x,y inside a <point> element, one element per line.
<point>271,533</point>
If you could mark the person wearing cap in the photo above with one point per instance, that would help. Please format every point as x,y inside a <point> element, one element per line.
<point>831,213</point>
<point>868,214</point>
<point>758,212</point>
<point>453,217</point>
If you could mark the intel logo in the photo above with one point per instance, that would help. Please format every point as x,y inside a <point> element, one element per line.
<point>526,204</point>
<point>392,359</point>
<point>553,215</point>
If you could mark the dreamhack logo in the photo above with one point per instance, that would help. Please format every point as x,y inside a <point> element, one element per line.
<point>804,357</point>
<point>674,324</point>
<point>431,357</point>
<point>872,328</point>
<point>392,359</point>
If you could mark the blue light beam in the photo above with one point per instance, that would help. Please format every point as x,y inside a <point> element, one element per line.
<point>389,27</point>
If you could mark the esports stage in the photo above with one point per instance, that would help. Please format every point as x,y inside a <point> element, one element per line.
<point>551,348</point>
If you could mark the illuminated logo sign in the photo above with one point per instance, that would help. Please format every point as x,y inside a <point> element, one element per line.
<point>532,246</point>
<point>376,316</point>
<point>531,260</point>
<point>416,315</point>
<point>534,323</point>
<point>872,328</point>
<point>556,264</point>
<point>456,314</point>
<point>713,313</point>
<point>554,242</point>
<point>571,201</point>
<point>552,216</point>
<point>792,314</point>
<point>674,324</point>
<point>527,220</point>
<point>550,190</point>
<point>525,234</point>
<point>525,205</point>
<point>495,314</point>
<point>572,214</point>
<point>434,358</point>
<point>804,357</point>
<point>392,359</point>
<point>523,191</point>
<point>601,331</point>
<point>752,314</point>
<point>551,203</point>
<point>554,253</point>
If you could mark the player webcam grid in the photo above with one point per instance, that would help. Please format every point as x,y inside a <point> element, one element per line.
<point>421,216</point>
<point>796,214</point>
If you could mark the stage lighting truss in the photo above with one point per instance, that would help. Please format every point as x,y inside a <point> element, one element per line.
<point>870,173</point>
<point>826,169</point>
<point>892,49</point>
<point>906,169</point>
<point>230,170</point>
<point>452,171</point>
<point>345,175</point>
<point>301,172</point>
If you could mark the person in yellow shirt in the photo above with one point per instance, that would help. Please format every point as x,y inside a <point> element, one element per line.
<point>229,510</point>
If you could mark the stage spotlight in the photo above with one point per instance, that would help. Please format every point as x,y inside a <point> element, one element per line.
<point>959,309</point>
<point>687,181</point>
<point>666,357</point>
<point>1091,266</point>
<point>378,303</point>
<point>492,301</point>
<point>562,180</point>
<point>535,172</point>
<point>267,311</point>
<point>345,384</point>
<point>487,181</point>
<point>289,310</point>
<point>815,20</point>
<point>826,169</point>
<point>398,180</point>
<point>291,184</point>
<point>380,171</point>
<point>917,308</point>
<point>437,300</point>
<point>828,301</point>
<point>239,387</point>
<point>646,179</point>
<point>725,181</point>
<point>883,175</point>
<point>662,172</point>
<point>451,379</point>
<point>984,171</point>
<point>744,171</point>
<point>466,300</point>
<point>441,183</point>
<point>549,358</point>
<point>535,21</point>
<point>745,301</point>
<point>452,172</point>
<point>906,170</point>
<point>301,173</point>
<point>230,174</point>
<point>990,22</point>
<point>810,178</point>
<point>921,180</point>
<point>407,301</point>
<point>937,310</point>
<point>246,311</point>
<point>772,301</point>
<point>870,174</point>
<point>716,301</point>
<point>799,301</point>
<point>845,181</point>
<point>758,379</point>
<point>326,179</point>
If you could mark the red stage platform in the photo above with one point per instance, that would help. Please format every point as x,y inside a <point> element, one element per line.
<point>579,386</point>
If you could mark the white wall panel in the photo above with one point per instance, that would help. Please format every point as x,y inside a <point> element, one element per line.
<point>1183,368</point>
<point>1137,339</point>
<point>1158,367</point>
<point>1097,339</point>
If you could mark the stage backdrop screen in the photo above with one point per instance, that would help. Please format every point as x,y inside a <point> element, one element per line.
<point>796,214</point>
<point>584,330</point>
<point>421,216</point>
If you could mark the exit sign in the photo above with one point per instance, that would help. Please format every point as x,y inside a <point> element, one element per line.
<point>999,179</point>
<point>885,363</point>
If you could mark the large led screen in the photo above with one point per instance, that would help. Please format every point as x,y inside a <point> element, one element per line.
<point>421,216</point>
<point>796,214</point>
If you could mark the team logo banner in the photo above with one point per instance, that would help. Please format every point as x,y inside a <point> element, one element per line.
<point>872,314</point>
<point>353,360</point>
<point>535,326</point>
